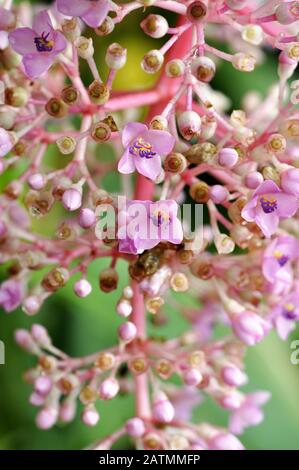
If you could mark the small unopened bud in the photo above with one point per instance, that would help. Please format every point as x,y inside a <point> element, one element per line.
<point>233,376</point>
<point>82,288</point>
<point>224,244</point>
<point>72,198</point>
<point>108,280</point>
<point>36,181</point>
<point>253,179</point>
<point>84,47</point>
<point>155,26</point>
<point>135,427</point>
<point>287,13</point>
<point>56,108</point>
<point>253,34</point>
<point>90,416</point>
<point>218,194</point>
<point>152,61</point>
<point>203,68</point>
<point>228,157</point>
<point>201,153</point>
<point>100,132</point>
<point>127,331</point>
<point>31,305</point>
<point>159,123</point>
<point>55,279</point>
<point>46,418</point>
<point>98,92</point>
<point>192,377</point>
<point>109,388</point>
<point>7,141</point>
<point>87,218</point>
<point>244,62</point>
<point>70,95</point>
<point>276,143</point>
<point>7,117</point>
<point>16,97</point>
<point>179,282</point>
<point>43,385</point>
<point>199,191</point>
<point>175,68</point>
<point>116,56</point>
<point>175,163</point>
<point>66,145</point>
<point>189,123</point>
<point>163,410</point>
<point>24,339</point>
<point>196,11</point>
<point>106,27</point>
<point>71,29</point>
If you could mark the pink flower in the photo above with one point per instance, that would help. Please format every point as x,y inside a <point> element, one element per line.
<point>11,293</point>
<point>6,142</point>
<point>250,327</point>
<point>284,315</point>
<point>146,223</point>
<point>38,45</point>
<point>249,413</point>
<point>92,13</point>
<point>268,205</point>
<point>144,148</point>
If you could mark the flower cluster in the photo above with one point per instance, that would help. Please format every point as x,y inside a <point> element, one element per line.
<point>241,165</point>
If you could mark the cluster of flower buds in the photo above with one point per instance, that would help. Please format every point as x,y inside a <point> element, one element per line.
<point>241,266</point>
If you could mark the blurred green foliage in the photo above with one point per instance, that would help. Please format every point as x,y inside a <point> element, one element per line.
<point>82,326</point>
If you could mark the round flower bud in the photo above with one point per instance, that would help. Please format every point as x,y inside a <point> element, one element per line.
<point>116,56</point>
<point>135,427</point>
<point>70,95</point>
<point>98,92</point>
<point>56,108</point>
<point>253,179</point>
<point>127,332</point>
<point>16,96</point>
<point>7,117</point>
<point>72,198</point>
<point>66,144</point>
<point>109,388</point>
<point>175,163</point>
<point>7,141</point>
<point>67,411</point>
<point>175,68</point>
<point>203,68</point>
<point>152,61</point>
<point>192,377</point>
<point>43,385</point>
<point>71,29</point>
<point>106,27</point>
<point>243,62</point>
<point>253,34</point>
<point>128,292</point>
<point>163,410</point>
<point>46,418</point>
<point>196,11</point>
<point>82,288</point>
<point>84,47</point>
<point>40,334</point>
<point>159,123</point>
<point>236,4</point>
<point>233,376</point>
<point>228,157</point>
<point>108,280</point>
<point>87,218</point>
<point>287,13</point>
<point>276,143</point>
<point>199,191</point>
<point>290,181</point>
<point>218,194</point>
<point>31,305</point>
<point>124,308</point>
<point>189,123</point>
<point>155,26</point>
<point>292,51</point>
<point>90,416</point>
<point>100,132</point>
<point>36,399</point>
<point>36,181</point>
<point>179,282</point>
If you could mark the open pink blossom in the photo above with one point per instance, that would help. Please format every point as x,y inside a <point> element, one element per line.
<point>38,45</point>
<point>11,293</point>
<point>146,223</point>
<point>268,204</point>
<point>92,12</point>
<point>249,413</point>
<point>144,148</point>
<point>284,315</point>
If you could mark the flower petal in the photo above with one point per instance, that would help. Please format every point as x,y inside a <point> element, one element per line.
<point>36,64</point>
<point>59,42</point>
<point>42,23</point>
<point>287,204</point>
<point>22,40</point>
<point>249,211</point>
<point>267,187</point>
<point>95,16</point>
<point>132,131</point>
<point>126,164</point>
<point>268,223</point>
<point>73,7</point>
<point>162,141</point>
<point>149,167</point>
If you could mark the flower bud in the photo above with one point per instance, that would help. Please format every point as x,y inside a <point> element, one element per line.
<point>7,141</point>
<point>253,34</point>
<point>10,59</point>
<point>55,279</point>
<point>40,334</point>
<point>218,194</point>
<point>106,27</point>
<point>87,218</point>
<point>189,123</point>
<point>233,376</point>
<point>276,143</point>
<point>56,108</point>
<point>152,61</point>
<point>225,441</point>
<point>36,399</point>
<point>31,305</point>
<point>201,153</point>
<point>127,332</point>
<point>46,418</point>
<point>175,163</point>
<point>199,191</point>
<point>175,68</point>
<point>67,410</point>
<point>16,97</point>
<point>135,427</point>
<point>36,181</point>
<point>290,181</point>
<point>43,385</point>
<point>228,157</point>
<point>287,13</point>
<point>203,68</point>
<point>243,62</point>
<point>155,26</point>
<point>82,288</point>
<point>159,123</point>
<point>24,339</point>
<point>98,92</point>
<point>70,95</point>
<point>163,411</point>
<point>250,327</point>
<point>196,12</point>
<point>71,29</point>
<point>84,47</point>
<point>192,377</point>
<point>253,179</point>
<point>90,416</point>
<point>7,117</point>
<point>116,56</point>
<point>100,132</point>
<point>72,198</point>
<point>109,388</point>
<point>108,280</point>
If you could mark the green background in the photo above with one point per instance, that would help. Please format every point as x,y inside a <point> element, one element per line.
<point>82,326</point>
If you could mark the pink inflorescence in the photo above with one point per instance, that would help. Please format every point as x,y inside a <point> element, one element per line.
<point>242,165</point>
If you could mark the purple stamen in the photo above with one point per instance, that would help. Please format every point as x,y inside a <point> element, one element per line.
<point>268,205</point>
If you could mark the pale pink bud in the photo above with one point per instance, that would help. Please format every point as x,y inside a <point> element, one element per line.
<point>40,334</point>
<point>155,26</point>
<point>228,157</point>
<point>36,181</point>
<point>46,418</point>
<point>31,305</point>
<point>43,385</point>
<point>189,123</point>
<point>250,327</point>
<point>253,179</point>
<point>109,388</point>
<point>124,308</point>
<point>72,199</point>
<point>90,416</point>
<point>7,141</point>
<point>127,331</point>
<point>87,218</point>
<point>24,339</point>
<point>203,68</point>
<point>232,401</point>
<point>116,56</point>
<point>225,441</point>
<point>218,193</point>
<point>233,376</point>
<point>36,399</point>
<point>67,411</point>
<point>236,4</point>
<point>82,288</point>
<point>135,427</point>
<point>192,377</point>
<point>163,410</point>
<point>287,13</point>
<point>290,181</point>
